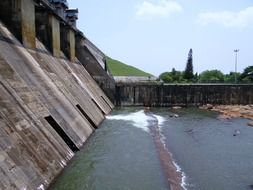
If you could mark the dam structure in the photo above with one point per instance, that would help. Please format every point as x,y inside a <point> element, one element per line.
<point>185,95</point>
<point>55,91</point>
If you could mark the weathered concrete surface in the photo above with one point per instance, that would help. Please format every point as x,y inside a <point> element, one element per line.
<point>98,55</point>
<point>72,45</point>
<point>93,61</point>
<point>48,31</point>
<point>54,32</point>
<point>68,42</point>
<point>35,85</point>
<point>182,95</point>
<point>27,23</point>
<point>72,78</point>
<point>19,16</point>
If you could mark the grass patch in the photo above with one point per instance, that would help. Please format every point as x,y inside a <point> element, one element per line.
<point>118,68</point>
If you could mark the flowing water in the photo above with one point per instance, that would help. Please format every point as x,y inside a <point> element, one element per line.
<point>125,153</point>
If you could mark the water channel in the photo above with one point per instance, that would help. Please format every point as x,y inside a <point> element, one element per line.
<point>123,155</point>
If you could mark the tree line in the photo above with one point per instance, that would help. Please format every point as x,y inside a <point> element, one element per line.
<point>208,76</point>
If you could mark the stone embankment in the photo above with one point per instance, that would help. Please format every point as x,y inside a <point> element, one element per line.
<point>232,111</point>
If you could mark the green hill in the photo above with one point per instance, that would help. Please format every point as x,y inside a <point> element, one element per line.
<point>118,68</point>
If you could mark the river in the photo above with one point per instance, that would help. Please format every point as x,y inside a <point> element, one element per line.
<point>124,153</point>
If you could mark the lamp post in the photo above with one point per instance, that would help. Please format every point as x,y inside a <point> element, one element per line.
<point>236,51</point>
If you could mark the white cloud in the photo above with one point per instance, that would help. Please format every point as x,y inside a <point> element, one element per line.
<point>239,19</point>
<point>163,8</point>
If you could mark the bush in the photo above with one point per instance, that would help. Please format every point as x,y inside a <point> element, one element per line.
<point>211,76</point>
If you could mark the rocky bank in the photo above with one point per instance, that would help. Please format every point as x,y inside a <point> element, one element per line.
<point>232,111</point>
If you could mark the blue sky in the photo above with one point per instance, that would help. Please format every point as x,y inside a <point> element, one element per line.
<point>156,35</point>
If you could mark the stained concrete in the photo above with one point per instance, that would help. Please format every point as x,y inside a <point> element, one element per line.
<point>54,30</point>
<point>27,23</point>
<point>48,31</point>
<point>50,104</point>
<point>94,62</point>
<point>68,42</point>
<point>19,16</point>
<point>183,94</point>
<point>72,45</point>
<point>35,85</point>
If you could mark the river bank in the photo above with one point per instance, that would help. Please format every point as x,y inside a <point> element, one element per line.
<point>232,111</point>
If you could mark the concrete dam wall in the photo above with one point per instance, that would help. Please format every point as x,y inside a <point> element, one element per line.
<point>182,95</point>
<point>50,104</point>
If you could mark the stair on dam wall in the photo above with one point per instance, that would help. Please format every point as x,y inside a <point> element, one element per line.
<point>49,108</point>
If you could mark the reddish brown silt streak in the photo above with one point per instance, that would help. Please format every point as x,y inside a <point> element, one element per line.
<point>173,177</point>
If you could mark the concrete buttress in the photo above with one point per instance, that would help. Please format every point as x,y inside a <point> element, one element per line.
<point>49,108</point>
<point>49,103</point>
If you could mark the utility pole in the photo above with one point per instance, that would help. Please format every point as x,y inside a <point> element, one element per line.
<point>236,51</point>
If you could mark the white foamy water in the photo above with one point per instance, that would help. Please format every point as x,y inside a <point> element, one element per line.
<point>179,169</point>
<point>160,119</point>
<point>139,119</point>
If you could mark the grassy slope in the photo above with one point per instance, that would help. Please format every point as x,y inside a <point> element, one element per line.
<point>118,68</point>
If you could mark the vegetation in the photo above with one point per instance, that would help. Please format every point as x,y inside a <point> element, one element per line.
<point>230,78</point>
<point>172,77</point>
<point>118,68</point>
<point>212,76</point>
<point>181,77</point>
<point>208,76</point>
<point>247,74</point>
<point>188,73</point>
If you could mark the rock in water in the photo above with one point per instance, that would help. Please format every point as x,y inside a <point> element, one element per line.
<point>209,106</point>
<point>176,107</point>
<point>174,115</point>
<point>237,132</point>
<point>250,124</point>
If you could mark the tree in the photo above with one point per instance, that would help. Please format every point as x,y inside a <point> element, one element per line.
<point>172,77</point>
<point>230,78</point>
<point>196,78</point>
<point>177,76</point>
<point>166,77</point>
<point>188,73</point>
<point>212,76</point>
<point>247,74</point>
<point>173,74</point>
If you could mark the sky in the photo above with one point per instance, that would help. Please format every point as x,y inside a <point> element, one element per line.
<point>156,35</point>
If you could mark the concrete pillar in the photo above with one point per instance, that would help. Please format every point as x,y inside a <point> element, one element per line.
<point>54,27</point>
<point>27,9</point>
<point>72,45</point>
<point>19,17</point>
<point>68,42</point>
